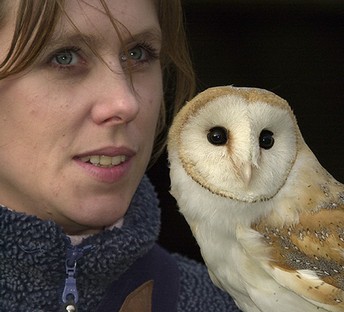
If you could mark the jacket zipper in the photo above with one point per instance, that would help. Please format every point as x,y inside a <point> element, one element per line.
<point>70,296</point>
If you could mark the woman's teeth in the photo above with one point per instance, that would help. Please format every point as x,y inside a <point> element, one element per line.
<point>103,161</point>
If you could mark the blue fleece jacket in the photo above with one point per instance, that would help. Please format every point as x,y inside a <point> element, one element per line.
<point>40,270</point>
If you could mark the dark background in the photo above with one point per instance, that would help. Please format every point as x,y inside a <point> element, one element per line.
<point>293,48</point>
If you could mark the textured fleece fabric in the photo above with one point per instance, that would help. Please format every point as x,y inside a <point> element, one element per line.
<point>33,256</point>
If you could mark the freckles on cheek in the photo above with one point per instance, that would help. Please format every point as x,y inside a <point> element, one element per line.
<point>150,106</point>
<point>153,111</point>
<point>34,112</point>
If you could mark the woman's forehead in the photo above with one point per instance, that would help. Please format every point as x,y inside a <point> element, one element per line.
<point>133,15</point>
<point>89,21</point>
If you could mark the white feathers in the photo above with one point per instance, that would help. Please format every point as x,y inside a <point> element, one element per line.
<point>265,213</point>
<point>241,155</point>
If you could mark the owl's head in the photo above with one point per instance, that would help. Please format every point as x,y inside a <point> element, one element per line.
<point>238,143</point>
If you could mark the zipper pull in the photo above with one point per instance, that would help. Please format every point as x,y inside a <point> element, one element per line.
<point>70,296</point>
<point>69,306</point>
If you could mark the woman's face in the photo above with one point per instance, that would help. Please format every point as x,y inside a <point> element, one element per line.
<point>77,132</point>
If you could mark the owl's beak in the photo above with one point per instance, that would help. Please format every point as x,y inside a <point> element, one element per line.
<point>246,173</point>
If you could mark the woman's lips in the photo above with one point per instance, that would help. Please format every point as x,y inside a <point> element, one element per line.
<point>107,165</point>
<point>103,160</point>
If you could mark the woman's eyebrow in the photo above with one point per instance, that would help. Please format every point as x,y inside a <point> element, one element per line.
<point>74,38</point>
<point>152,35</point>
<point>95,40</point>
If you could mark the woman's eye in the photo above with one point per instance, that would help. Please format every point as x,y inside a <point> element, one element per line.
<point>139,55</point>
<point>66,57</point>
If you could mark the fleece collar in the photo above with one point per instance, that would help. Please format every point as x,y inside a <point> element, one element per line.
<point>33,255</point>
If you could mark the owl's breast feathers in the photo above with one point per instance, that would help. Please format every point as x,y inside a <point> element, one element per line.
<point>308,257</point>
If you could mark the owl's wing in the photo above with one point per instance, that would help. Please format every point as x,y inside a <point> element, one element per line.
<point>308,258</point>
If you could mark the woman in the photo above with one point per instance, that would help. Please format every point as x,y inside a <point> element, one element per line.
<point>81,108</point>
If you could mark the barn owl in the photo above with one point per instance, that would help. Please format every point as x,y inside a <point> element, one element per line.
<point>268,218</point>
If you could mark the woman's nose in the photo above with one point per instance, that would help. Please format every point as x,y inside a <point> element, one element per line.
<point>116,102</point>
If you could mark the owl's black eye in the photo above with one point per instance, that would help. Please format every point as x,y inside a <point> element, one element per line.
<point>266,139</point>
<point>218,136</point>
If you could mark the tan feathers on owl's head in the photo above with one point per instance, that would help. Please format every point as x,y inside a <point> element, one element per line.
<point>226,137</point>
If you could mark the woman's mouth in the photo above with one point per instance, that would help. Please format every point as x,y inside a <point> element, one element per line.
<point>104,161</point>
<point>107,164</point>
